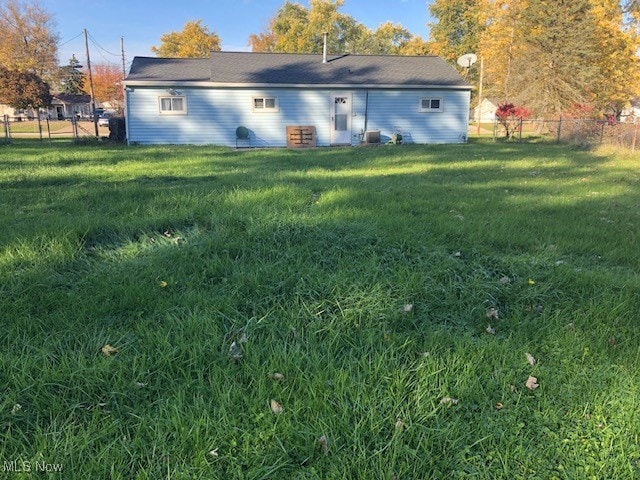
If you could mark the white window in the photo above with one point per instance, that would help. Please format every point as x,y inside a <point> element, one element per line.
<point>174,105</point>
<point>430,104</point>
<point>264,104</point>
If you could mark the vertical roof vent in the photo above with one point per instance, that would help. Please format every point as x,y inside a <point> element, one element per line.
<point>325,35</point>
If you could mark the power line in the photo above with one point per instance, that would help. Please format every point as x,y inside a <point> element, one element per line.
<point>95,43</point>
<point>71,40</point>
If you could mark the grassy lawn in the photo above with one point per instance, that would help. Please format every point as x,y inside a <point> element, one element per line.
<point>198,312</point>
<point>32,126</point>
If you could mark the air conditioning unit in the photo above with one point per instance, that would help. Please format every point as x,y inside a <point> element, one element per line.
<point>372,137</point>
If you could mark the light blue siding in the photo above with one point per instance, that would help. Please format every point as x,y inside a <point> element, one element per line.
<point>214,114</point>
<point>390,110</point>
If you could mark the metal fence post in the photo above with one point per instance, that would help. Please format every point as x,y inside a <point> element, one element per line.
<point>7,132</point>
<point>39,126</point>
<point>559,129</point>
<point>520,131</point>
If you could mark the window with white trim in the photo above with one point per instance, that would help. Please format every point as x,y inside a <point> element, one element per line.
<point>264,104</point>
<point>173,105</point>
<point>430,104</point>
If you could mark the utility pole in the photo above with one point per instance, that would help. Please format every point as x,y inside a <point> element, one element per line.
<point>480,94</point>
<point>93,102</point>
<point>124,68</point>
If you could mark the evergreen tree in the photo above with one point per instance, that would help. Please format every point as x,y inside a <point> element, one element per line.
<point>71,78</point>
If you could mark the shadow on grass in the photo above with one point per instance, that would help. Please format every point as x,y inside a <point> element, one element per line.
<point>315,256</point>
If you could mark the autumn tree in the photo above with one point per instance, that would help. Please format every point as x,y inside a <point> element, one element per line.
<point>617,63</point>
<point>541,54</point>
<point>20,89</point>
<point>194,41</point>
<point>458,27</point>
<point>28,41</point>
<point>501,44</point>
<point>107,84</point>
<point>297,29</point>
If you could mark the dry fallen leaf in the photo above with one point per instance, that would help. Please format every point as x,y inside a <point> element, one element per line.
<point>276,408</point>
<point>107,350</point>
<point>408,308</point>
<point>16,408</point>
<point>532,383</point>
<point>492,313</point>
<point>499,406</point>
<point>449,401</point>
<point>140,384</point>
<point>530,359</point>
<point>163,284</point>
<point>213,453</point>
<point>235,352</point>
<point>399,425</point>
<point>490,330</point>
<point>505,280</point>
<point>324,444</point>
<point>278,377</point>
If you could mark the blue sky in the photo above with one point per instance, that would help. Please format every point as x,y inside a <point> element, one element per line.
<point>142,22</point>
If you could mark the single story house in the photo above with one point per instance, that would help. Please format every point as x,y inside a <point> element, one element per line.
<point>342,100</point>
<point>18,114</point>
<point>65,105</point>
<point>486,111</point>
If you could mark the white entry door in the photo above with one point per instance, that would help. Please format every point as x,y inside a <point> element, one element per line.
<point>341,119</point>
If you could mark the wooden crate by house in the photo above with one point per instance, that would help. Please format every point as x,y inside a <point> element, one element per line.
<point>301,136</point>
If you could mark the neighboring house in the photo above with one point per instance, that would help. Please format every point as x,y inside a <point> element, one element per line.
<point>18,114</point>
<point>64,106</point>
<point>485,112</point>
<point>632,112</point>
<point>204,101</point>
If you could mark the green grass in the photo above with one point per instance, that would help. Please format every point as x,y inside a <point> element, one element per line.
<point>306,260</point>
<point>31,126</point>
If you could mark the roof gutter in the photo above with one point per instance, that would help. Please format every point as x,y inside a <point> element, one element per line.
<point>206,84</point>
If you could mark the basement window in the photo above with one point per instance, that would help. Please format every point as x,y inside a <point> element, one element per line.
<point>264,104</point>
<point>430,104</point>
<point>174,105</point>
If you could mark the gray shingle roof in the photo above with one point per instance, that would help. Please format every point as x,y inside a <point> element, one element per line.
<point>299,69</point>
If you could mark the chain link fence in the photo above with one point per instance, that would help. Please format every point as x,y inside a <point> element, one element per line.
<point>583,132</point>
<point>46,130</point>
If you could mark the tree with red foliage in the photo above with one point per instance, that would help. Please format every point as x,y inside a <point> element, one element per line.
<point>510,116</point>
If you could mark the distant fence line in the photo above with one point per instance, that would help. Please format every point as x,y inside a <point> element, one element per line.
<point>578,131</point>
<point>46,129</point>
<point>584,132</point>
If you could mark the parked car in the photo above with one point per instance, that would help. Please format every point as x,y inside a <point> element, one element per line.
<point>103,120</point>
